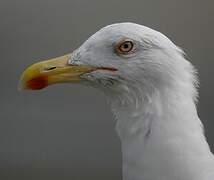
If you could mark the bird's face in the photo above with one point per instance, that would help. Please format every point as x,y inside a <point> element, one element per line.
<point>119,55</point>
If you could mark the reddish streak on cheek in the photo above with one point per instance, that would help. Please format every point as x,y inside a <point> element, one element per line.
<point>108,68</point>
<point>37,83</point>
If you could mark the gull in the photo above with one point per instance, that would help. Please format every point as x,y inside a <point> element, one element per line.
<point>152,91</point>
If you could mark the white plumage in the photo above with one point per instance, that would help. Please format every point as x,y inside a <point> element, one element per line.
<point>153,99</point>
<point>152,90</point>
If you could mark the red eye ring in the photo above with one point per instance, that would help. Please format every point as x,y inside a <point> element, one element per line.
<point>126,46</point>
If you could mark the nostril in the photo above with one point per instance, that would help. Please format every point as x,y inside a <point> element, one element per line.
<point>49,68</point>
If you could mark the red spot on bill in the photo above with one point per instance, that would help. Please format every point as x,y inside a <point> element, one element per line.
<point>37,83</point>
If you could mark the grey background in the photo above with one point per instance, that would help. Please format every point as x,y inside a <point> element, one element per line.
<point>66,131</point>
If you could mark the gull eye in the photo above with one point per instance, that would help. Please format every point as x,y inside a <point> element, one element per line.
<point>125,47</point>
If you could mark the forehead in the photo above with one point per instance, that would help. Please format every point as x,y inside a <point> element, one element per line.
<point>114,33</point>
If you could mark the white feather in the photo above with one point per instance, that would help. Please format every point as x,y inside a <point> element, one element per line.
<point>153,98</point>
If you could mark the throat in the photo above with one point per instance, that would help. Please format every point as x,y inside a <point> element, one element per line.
<point>161,136</point>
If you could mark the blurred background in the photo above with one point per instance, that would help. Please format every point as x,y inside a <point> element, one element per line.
<point>67,131</point>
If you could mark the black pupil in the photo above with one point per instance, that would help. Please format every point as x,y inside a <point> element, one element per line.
<point>126,46</point>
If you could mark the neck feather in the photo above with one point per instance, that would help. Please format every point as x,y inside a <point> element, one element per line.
<point>160,134</point>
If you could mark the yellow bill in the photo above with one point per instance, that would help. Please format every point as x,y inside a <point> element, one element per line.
<point>57,70</point>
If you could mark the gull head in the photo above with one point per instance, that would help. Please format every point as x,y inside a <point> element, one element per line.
<point>122,58</point>
<point>151,88</point>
